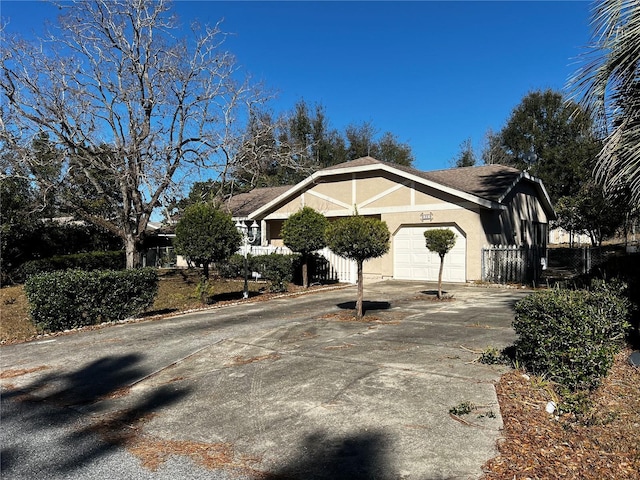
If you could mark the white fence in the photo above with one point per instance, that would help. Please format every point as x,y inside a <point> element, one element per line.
<point>342,270</point>
<point>513,264</point>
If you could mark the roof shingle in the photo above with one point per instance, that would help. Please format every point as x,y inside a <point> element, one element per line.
<point>487,182</point>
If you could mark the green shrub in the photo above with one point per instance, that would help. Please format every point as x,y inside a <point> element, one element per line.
<point>571,336</point>
<point>75,298</point>
<point>276,267</point>
<point>233,267</point>
<point>81,261</point>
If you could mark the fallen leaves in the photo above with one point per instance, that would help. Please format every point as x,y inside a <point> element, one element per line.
<point>20,372</point>
<point>602,444</point>
<point>241,360</point>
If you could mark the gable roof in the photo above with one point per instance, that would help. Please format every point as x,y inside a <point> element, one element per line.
<point>486,185</point>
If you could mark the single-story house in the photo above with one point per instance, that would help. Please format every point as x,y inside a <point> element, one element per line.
<point>483,205</point>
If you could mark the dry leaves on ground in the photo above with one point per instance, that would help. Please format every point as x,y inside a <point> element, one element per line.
<point>602,444</point>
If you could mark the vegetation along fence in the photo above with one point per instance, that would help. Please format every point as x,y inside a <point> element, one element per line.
<point>513,264</point>
<point>336,269</point>
<point>576,261</point>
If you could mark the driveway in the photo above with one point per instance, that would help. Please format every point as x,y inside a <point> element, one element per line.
<point>289,388</point>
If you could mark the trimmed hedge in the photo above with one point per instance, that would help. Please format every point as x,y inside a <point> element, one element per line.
<point>277,268</point>
<point>571,336</point>
<point>83,261</point>
<point>75,298</point>
<point>234,266</point>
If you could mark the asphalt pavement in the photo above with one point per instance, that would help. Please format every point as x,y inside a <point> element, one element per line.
<point>291,388</point>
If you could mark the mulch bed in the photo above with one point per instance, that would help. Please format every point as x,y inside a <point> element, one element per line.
<point>602,443</point>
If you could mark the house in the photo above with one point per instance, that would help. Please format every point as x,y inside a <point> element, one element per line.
<point>484,205</point>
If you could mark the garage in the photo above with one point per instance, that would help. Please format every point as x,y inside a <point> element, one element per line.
<point>412,260</point>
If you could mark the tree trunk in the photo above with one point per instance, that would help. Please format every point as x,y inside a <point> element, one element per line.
<point>305,271</point>
<point>131,250</point>
<point>440,277</point>
<point>359,314</point>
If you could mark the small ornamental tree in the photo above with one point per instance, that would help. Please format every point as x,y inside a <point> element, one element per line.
<point>205,234</point>
<point>358,238</point>
<point>440,241</point>
<point>304,233</point>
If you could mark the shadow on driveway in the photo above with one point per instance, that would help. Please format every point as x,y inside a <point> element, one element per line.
<point>366,306</point>
<point>47,409</point>
<point>355,457</point>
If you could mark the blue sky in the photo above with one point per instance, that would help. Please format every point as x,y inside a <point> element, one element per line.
<point>432,73</point>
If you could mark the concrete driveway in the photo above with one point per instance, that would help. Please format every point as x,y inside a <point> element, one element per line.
<point>288,388</point>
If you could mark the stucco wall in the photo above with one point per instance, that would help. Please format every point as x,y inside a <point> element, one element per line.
<point>403,202</point>
<point>399,202</point>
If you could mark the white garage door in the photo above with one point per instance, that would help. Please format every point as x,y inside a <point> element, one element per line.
<point>412,260</point>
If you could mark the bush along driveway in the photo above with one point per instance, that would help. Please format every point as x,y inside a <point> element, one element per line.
<point>289,388</point>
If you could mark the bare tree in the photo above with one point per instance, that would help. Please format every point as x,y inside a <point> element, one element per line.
<point>252,150</point>
<point>130,106</point>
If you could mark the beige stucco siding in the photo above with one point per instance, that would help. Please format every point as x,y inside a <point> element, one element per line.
<point>338,191</point>
<point>403,202</point>
<point>398,202</point>
<point>467,221</point>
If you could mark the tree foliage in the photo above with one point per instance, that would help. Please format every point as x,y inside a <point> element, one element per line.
<point>304,233</point>
<point>550,137</point>
<point>358,238</point>
<point>129,106</point>
<point>308,143</point>
<point>27,228</point>
<point>608,86</point>
<point>592,212</point>
<point>440,241</point>
<point>205,234</point>
<point>465,157</point>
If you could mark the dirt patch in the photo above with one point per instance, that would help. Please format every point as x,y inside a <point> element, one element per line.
<point>117,393</point>
<point>602,443</point>
<point>241,360</point>
<point>349,317</point>
<point>20,372</point>
<point>15,324</point>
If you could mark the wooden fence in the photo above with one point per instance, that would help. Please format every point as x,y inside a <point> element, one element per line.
<point>513,264</point>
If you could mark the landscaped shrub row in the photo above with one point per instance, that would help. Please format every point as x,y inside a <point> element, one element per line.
<point>276,267</point>
<point>571,336</point>
<point>82,261</point>
<point>75,298</point>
